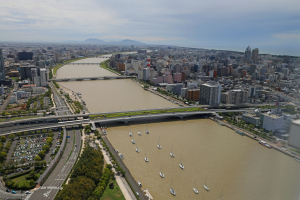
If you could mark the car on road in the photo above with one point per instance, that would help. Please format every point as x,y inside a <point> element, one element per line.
<point>137,194</point>
<point>28,192</point>
<point>14,192</point>
<point>7,190</point>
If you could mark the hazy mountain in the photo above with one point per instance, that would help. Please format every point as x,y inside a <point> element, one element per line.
<point>123,42</point>
<point>127,42</point>
<point>94,41</point>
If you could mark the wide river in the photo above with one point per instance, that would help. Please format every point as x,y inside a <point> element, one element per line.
<point>239,166</point>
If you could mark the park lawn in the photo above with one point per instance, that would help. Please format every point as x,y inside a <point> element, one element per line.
<point>20,179</point>
<point>114,194</point>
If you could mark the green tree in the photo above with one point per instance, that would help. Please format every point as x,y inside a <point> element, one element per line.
<point>42,154</point>
<point>270,133</point>
<point>46,148</point>
<point>31,182</point>
<point>88,131</point>
<point>11,136</point>
<point>37,158</point>
<point>3,113</point>
<point>38,132</point>
<point>51,135</point>
<point>3,138</point>
<point>44,131</point>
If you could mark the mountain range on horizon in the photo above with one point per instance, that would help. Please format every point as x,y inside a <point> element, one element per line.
<point>123,42</point>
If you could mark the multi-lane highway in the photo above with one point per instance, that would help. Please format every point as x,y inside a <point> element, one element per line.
<point>62,170</point>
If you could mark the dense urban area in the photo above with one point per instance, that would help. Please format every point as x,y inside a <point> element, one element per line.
<point>53,147</point>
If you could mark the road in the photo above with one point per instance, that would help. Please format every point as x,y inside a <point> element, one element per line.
<point>3,107</point>
<point>128,175</point>
<point>61,171</point>
<point>61,107</point>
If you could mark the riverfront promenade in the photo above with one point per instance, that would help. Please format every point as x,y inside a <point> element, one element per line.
<point>125,188</point>
<point>255,137</point>
<point>128,175</point>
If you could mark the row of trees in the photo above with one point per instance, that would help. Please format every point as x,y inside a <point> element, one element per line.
<point>85,177</point>
<point>249,127</point>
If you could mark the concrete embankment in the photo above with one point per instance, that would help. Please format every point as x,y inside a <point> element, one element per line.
<point>128,175</point>
<point>255,137</point>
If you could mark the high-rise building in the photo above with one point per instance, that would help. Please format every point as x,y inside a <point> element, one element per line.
<point>252,69</point>
<point>210,94</point>
<point>25,55</point>
<point>2,69</point>
<point>248,53</point>
<point>236,97</point>
<point>146,73</point>
<point>44,78</point>
<point>56,57</point>
<point>255,55</point>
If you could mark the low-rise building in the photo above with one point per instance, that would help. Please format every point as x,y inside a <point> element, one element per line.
<point>294,137</point>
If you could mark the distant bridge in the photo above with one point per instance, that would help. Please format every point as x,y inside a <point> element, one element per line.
<point>91,78</point>
<point>82,63</point>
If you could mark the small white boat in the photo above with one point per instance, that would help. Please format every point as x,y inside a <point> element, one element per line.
<point>181,166</point>
<point>117,151</point>
<point>139,133</point>
<point>146,159</point>
<point>160,173</point>
<point>147,129</point>
<point>137,150</point>
<point>172,192</point>
<point>121,156</point>
<point>171,154</point>
<point>130,134</point>
<point>158,146</point>
<point>133,142</point>
<point>139,183</point>
<point>195,190</point>
<point>171,189</point>
<point>204,185</point>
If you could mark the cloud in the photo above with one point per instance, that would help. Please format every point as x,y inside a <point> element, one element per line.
<point>145,39</point>
<point>12,20</point>
<point>188,23</point>
<point>287,36</point>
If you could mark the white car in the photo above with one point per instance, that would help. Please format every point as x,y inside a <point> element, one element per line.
<point>28,192</point>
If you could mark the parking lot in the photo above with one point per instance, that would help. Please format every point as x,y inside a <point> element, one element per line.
<point>24,150</point>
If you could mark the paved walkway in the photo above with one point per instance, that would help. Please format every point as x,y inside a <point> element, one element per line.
<point>125,188</point>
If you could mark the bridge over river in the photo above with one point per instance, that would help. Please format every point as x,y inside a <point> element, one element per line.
<point>91,78</point>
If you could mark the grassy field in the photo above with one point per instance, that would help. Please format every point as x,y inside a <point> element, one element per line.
<point>19,179</point>
<point>25,117</point>
<point>112,194</point>
<point>147,112</point>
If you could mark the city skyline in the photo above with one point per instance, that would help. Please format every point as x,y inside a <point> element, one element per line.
<point>271,26</point>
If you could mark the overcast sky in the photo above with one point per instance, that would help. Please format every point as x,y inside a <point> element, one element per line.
<point>273,26</point>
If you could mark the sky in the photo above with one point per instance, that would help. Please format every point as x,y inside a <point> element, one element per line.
<point>273,26</point>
